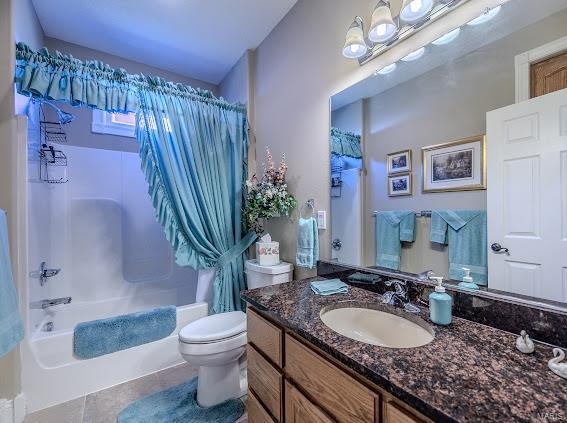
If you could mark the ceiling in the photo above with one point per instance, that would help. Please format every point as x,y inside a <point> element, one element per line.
<point>201,39</point>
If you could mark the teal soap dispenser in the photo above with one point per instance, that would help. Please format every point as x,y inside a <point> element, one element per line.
<point>440,304</point>
<point>467,282</point>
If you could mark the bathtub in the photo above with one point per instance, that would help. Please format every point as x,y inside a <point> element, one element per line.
<point>49,362</point>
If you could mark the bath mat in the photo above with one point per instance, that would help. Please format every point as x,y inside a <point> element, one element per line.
<point>179,404</point>
<point>105,336</point>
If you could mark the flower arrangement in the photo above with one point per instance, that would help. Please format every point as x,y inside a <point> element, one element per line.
<point>267,197</point>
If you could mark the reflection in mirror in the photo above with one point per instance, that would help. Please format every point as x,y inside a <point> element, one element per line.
<point>463,158</point>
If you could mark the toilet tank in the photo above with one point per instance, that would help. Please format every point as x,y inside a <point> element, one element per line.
<point>258,276</point>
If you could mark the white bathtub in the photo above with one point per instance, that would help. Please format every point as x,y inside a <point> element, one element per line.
<point>52,375</point>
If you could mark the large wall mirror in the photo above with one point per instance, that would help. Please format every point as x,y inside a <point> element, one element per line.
<point>456,157</point>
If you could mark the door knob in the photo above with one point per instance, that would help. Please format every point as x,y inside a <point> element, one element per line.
<point>337,244</point>
<point>497,248</point>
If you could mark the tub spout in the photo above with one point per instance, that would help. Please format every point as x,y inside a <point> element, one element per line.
<point>43,304</point>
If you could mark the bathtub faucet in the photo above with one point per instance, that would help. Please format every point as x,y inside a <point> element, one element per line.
<point>43,304</point>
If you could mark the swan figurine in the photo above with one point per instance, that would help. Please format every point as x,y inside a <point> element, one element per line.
<point>524,343</point>
<point>555,365</point>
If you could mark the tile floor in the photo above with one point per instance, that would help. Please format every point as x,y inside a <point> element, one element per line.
<point>104,406</point>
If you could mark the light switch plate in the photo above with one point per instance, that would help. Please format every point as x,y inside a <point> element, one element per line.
<point>321,219</point>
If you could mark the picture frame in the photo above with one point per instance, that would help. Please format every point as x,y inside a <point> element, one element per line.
<point>455,166</point>
<point>399,162</point>
<point>400,185</point>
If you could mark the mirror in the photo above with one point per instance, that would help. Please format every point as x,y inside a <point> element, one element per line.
<point>456,157</point>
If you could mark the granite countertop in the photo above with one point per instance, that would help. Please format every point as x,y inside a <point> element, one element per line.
<point>469,372</point>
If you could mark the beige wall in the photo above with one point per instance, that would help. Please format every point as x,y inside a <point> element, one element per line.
<point>299,66</point>
<point>9,364</point>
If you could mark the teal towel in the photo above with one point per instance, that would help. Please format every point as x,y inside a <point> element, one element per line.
<point>307,243</point>
<point>465,233</point>
<point>392,227</point>
<point>364,278</point>
<point>105,336</point>
<point>11,326</point>
<point>329,287</point>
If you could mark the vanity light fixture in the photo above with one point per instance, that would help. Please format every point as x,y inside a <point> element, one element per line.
<point>447,38</point>
<point>355,46</point>
<point>382,28</point>
<point>486,16</point>
<point>414,55</point>
<point>386,70</point>
<point>415,10</point>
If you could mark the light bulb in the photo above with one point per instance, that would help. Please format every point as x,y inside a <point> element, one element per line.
<point>381,29</point>
<point>415,5</point>
<point>355,48</point>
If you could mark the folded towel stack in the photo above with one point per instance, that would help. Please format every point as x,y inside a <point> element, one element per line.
<point>366,278</point>
<point>329,287</point>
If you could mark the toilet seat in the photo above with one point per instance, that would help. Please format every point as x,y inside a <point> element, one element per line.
<point>214,334</point>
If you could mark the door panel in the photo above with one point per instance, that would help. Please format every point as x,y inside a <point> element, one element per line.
<point>527,196</point>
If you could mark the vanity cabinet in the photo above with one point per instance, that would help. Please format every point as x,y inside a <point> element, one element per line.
<point>292,381</point>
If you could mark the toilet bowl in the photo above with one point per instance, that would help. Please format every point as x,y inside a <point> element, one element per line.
<point>216,343</point>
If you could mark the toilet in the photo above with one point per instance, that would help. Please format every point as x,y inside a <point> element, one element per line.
<point>216,343</point>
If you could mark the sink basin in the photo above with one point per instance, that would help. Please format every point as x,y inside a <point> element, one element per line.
<point>377,327</point>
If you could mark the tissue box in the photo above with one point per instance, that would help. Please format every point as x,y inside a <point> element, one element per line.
<point>268,253</point>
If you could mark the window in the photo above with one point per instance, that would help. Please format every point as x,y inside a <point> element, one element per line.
<point>114,123</point>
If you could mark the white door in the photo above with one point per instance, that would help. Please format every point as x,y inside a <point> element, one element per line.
<point>527,197</point>
<point>346,219</point>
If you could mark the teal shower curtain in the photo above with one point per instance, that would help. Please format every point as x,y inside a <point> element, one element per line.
<point>193,148</point>
<point>194,157</point>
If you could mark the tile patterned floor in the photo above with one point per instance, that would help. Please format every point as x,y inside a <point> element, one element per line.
<point>104,406</point>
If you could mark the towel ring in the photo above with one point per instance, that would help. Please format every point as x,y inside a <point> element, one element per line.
<point>311,204</point>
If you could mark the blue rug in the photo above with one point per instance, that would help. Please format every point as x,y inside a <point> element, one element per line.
<point>105,336</point>
<point>179,404</point>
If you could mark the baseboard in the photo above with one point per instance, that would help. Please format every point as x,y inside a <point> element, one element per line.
<point>13,411</point>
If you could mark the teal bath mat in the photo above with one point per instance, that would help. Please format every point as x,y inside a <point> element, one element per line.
<point>179,404</point>
<point>105,336</point>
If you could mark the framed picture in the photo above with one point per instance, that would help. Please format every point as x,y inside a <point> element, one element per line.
<point>455,166</point>
<point>399,185</point>
<point>399,162</point>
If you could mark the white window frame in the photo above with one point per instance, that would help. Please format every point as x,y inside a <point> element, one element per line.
<point>523,61</point>
<point>102,124</point>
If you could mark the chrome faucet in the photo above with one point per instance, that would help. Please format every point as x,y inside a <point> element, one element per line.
<point>44,273</point>
<point>399,296</point>
<point>43,304</point>
<point>426,276</point>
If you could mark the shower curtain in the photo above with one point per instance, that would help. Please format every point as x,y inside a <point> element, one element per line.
<point>193,148</point>
<point>194,157</point>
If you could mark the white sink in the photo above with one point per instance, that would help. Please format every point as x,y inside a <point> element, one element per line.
<point>377,327</point>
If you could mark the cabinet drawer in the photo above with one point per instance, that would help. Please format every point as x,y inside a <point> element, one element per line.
<point>299,409</point>
<point>265,336</point>
<point>395,414</point>
<point>256,412</point>
<point>335,391</point>
<point>265,381</point>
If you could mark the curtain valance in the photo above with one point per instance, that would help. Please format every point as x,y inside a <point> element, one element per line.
<point>345,144</point>
<point>94,84</point>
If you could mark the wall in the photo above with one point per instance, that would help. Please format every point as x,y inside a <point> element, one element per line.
<point>447,103</point>
<point>298,67</point>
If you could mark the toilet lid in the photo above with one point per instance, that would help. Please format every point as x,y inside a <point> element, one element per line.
<point>214,328</point>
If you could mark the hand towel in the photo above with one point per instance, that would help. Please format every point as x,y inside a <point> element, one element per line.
<point>465,233</point>
<point>392,227</point>
<point>329,287</point>
<point>11,326</point>
<point>367,278</point>
<point>307,243</point>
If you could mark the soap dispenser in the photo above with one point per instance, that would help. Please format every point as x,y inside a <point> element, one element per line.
<point>467,282</point>
<point>440,304</point>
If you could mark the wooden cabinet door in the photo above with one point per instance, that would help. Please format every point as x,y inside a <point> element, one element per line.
<point>549,75</point>
<point>299,409</point>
